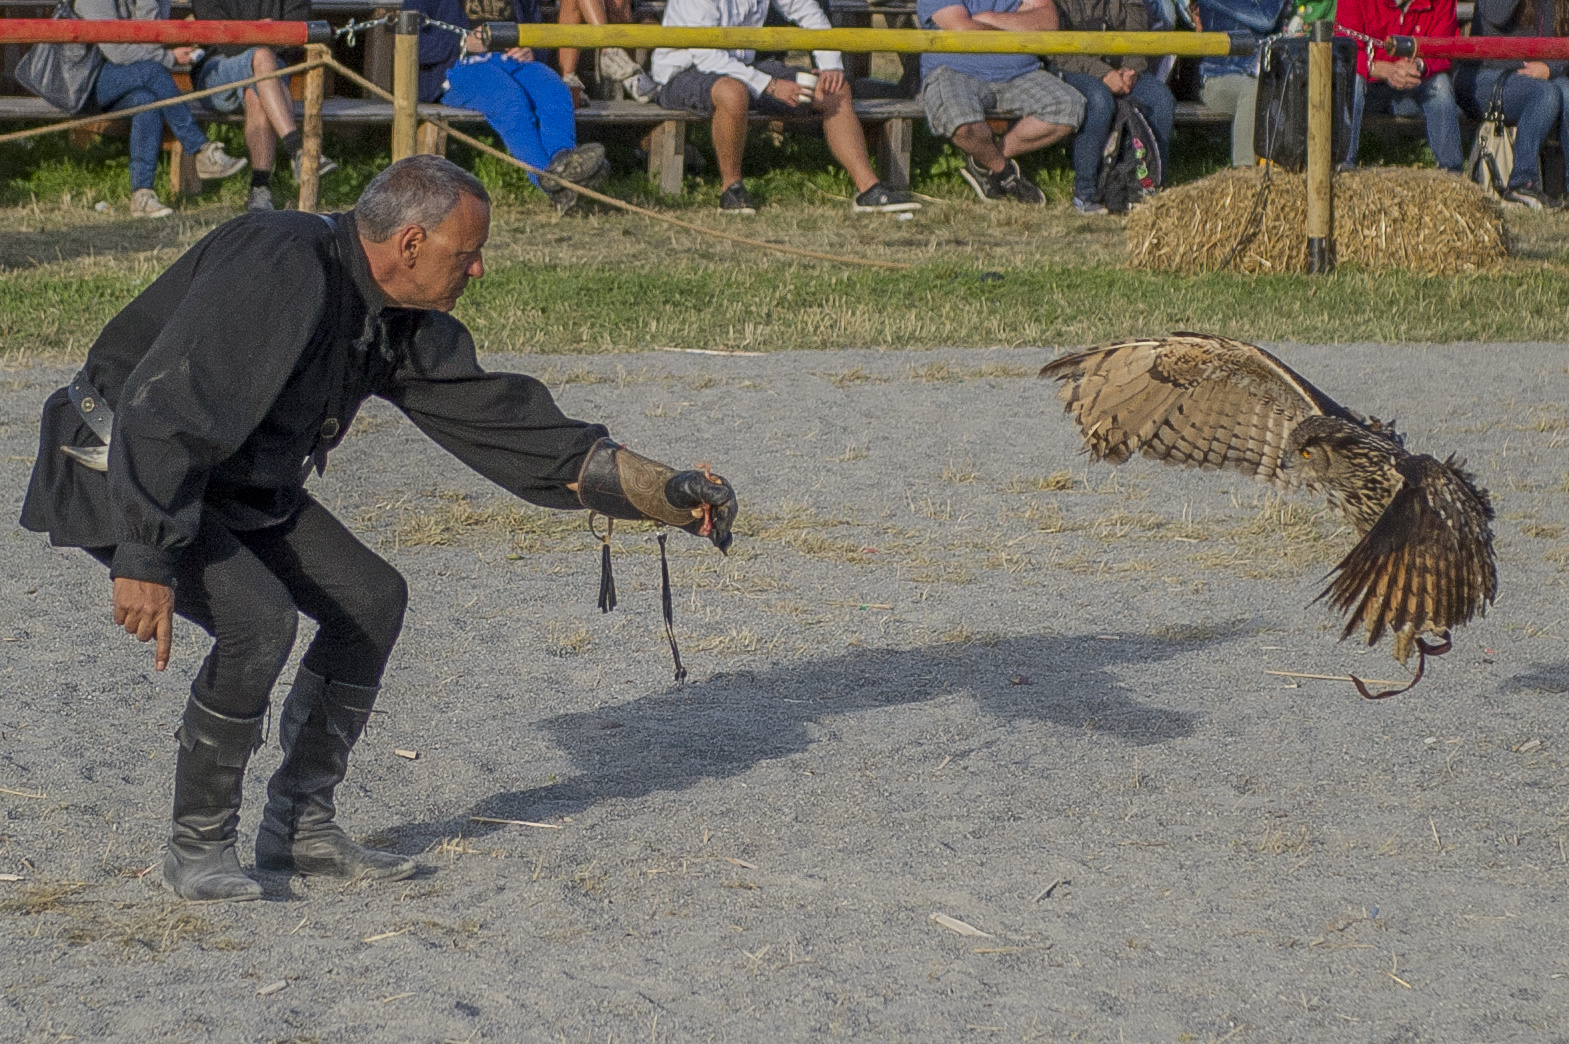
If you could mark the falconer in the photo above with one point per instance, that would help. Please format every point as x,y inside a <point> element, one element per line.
<point>178,458</point>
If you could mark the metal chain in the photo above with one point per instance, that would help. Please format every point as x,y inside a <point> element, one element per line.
<point>350,31</point>
<point>431,23</point>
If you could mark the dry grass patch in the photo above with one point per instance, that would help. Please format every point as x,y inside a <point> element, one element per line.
<point>933,373</point>
<point>1056,482</point>
<point>855,375</point>
<point>153,927</point>
<point>456,519</point>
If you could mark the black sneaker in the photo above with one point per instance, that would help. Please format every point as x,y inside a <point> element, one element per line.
<point>983,181</point>
<point>1017,187</point>
<point>1528,195</point>
<point>573,165</point>
<point>880,199</point>
<point>734,200</point>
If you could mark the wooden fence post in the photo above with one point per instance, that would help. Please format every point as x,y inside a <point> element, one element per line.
<point>405,84</point>
<point>1320,148</point>
<point>310,131</point>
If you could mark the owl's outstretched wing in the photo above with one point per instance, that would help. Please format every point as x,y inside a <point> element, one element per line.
<point>1427,565</point>
<point>1206,402</point>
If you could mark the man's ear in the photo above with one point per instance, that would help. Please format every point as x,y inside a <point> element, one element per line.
<point>410,240</point>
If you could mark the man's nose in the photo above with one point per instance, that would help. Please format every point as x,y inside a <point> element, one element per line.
<point>477,269</point>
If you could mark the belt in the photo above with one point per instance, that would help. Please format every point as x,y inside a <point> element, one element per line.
<point>98,417</point>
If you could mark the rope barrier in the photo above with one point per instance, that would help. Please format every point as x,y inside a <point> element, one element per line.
<point>134,110</point>
<point>632,208</point>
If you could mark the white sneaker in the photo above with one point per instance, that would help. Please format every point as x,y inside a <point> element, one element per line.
<point>260,199</point>
<point>618,65</point>
<point>324,166</point>
<point>145,203</point>
<point>213,164</point>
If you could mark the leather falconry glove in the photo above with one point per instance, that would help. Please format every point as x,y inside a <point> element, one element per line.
<point>618,483</point>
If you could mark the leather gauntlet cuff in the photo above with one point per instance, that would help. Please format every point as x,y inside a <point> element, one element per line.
<point>618,483</point>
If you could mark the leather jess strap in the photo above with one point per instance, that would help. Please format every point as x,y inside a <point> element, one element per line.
<point>95,412</point>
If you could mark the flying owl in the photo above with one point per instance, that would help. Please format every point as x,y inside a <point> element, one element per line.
<point>1424,560</point>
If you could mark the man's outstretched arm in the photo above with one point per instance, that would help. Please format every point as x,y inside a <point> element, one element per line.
<point>507,427</point>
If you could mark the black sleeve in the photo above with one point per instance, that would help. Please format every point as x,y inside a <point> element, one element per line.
<point>296,11</point>
<point>437,46</point>
<point>210,377</point>
<point>505,426</point>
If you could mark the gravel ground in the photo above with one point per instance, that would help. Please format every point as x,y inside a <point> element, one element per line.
<point>949,669</point>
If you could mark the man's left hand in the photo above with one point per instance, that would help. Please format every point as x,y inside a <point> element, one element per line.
<point>521,54</point>
<point>711,501</point>
<point>830,81</point>
<point>146,611</point>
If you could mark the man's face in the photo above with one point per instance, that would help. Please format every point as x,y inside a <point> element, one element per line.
<point>449,255</point>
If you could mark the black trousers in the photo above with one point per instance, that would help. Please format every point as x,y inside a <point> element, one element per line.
<point>246,588</point>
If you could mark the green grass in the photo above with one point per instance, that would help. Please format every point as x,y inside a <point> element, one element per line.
<point>605,281</point>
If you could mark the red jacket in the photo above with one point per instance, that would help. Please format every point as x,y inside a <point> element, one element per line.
<point>1382,18</point>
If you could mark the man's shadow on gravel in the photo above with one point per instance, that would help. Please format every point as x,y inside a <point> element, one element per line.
<point>723,725</point>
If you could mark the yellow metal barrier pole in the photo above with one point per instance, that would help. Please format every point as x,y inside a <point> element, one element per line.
<point>908,41</point>
<point>405,83</point>
<point>1320,138</point>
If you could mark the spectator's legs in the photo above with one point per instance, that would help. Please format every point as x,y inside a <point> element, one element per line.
<point>552,101</point>
<point>731,101</point>
<point>846,139</point>
<point>1533,106</point>
<point>1160,108</point>
<point>1031,133</point>
<point>1437,97</point>
<point>594,12</point>
<point>1100,106</point>
<point>978,141</point>
<point>486,86</point>
<point>1562,85</point>
<point>140,83</point>
<point>1237,95</point>
<point>276,110</point>
<point>1358,108</point>
<point>259,139</point>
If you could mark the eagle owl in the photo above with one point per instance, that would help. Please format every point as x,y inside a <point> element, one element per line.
<point>1424,559</point>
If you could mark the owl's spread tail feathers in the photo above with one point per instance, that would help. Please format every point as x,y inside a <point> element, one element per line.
<point>1426,566</point>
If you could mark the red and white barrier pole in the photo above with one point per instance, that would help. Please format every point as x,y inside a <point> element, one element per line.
<point>1517,48</point>
<point>173,33</point>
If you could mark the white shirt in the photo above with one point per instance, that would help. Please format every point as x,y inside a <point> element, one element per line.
<point>728,14</point>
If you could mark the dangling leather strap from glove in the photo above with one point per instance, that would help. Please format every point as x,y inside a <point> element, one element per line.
<point>617,483</point>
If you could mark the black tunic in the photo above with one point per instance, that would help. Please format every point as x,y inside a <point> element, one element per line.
<point>243,364</point>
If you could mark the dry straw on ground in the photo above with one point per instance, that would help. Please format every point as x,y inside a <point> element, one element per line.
<point>1250,220</point>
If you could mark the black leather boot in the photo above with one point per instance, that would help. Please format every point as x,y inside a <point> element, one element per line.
<point>201,864</point>
<point>320,723</point>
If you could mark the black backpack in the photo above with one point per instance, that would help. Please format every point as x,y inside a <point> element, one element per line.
<point>1130,165</point>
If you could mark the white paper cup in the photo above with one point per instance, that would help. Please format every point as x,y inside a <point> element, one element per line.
<point>807,84</point>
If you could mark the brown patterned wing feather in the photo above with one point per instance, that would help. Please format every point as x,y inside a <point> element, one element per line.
<point>1205,402</point>
<point>1427,565</point>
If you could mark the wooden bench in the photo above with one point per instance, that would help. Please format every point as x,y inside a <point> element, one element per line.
<point>890,121</point>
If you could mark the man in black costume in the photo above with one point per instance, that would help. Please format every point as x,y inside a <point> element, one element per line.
<point>178,458</point>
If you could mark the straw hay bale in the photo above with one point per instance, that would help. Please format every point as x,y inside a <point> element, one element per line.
<point>1385,217</point>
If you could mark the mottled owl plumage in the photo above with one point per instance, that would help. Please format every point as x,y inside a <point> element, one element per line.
<point>1424,560</point>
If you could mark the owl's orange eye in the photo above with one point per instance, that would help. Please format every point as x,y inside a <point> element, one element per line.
<point>1307,455</point>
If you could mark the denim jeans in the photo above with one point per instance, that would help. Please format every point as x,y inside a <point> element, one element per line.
<point>525,102</point>
<point>1434,99</point>
<point>123,86</point>
<point>1533,106</point>
<point>1151,95</point>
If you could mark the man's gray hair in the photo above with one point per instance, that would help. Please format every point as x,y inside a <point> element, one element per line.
<point>420,190</point>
